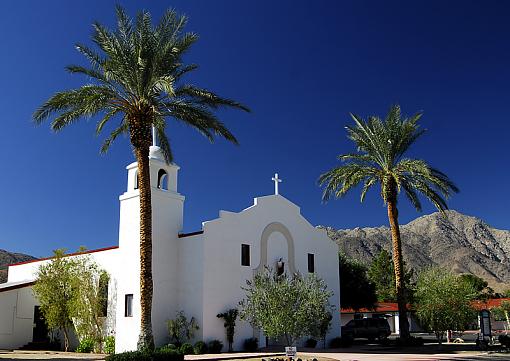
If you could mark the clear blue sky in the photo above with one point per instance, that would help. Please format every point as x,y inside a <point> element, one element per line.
<point>302,66</point>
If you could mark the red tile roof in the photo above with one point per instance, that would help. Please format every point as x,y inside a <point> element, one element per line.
<point>381,307</point>
<point>489,304</point>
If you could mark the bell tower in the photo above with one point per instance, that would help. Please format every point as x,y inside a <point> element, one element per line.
<point>167,221</point>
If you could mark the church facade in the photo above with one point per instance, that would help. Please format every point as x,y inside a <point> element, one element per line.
<point>201,273</point>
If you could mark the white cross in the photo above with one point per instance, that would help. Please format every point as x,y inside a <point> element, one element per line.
<point>276,180</point>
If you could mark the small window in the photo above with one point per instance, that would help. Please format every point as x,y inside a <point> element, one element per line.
<point>311,263</point>
<point>245,255</point>
<point>162,180</point>
<point>136,180</point>
<point>128,310</point>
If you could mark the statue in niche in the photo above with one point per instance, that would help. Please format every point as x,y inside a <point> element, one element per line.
<point>280,267</point>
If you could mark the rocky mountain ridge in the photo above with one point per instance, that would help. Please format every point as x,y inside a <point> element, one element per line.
<point>7,258</point>
<point>461,243</point>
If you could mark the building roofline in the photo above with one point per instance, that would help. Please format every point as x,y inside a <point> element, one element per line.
<point>67,255</point>
<point>19,285</point>
<point>183,235</point>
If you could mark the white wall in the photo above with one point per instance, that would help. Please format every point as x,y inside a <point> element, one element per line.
<point>191,280</point>
<point>16,317</point>
<point>224,276</point>
<point>21,331</point>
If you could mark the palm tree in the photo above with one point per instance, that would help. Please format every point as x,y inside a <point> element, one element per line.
<point>136,78</point>
<point>381,146</point>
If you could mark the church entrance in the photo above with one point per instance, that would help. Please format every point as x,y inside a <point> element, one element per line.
<point>40,332</point>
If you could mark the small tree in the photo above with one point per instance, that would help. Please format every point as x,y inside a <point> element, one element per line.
<point>180,329</point>
<point>481,286</point>
<point>71,296</point>
<point>90,304</point>
<point>282,306</point>
<point>381,273</point>
<point>356,290</point>
<point>55,289</point>
<point>230,323</point>
<point>503,312</point>
<point>444,301</point>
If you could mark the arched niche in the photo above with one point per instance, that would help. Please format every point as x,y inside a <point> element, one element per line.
<point>162,180</point>
<point>264,239</point>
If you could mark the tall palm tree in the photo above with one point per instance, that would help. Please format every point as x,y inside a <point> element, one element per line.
<point>135,76</point>
<point>381,147</point>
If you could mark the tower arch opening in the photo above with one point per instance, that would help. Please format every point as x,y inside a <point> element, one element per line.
<point>162,180</point>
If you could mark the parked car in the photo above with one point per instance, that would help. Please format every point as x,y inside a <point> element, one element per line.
<point>370,328</point>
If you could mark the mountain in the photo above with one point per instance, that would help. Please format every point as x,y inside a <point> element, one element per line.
<point>7,258</point>
<point>460,243</point>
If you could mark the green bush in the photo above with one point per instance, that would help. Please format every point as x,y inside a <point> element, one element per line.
<point>251,344</point>
<point>187,349</point>
<point>215,346</point>
<point>200,348</point>
<point>109,345</point>
<point>157,355</point>
<point>86,346</point>
<point>170,346</point>
<point>311,343</point>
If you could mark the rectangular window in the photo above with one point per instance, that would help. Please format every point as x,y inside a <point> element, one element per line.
<point>311,263</point>
<point>245,255</point>
<point>128,310</point>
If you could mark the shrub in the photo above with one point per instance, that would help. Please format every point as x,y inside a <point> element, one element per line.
<point>109,345</point>
<point>187,349</point>
<point>215,346</point>
<point>200,348</point>
<point>251,344</point>
<point>86,346</point>
<point>157,355</point>
<point>311,343</point>
<point>229,317</point>
<point>181,329</point>
<point>339,342</point>
<point>170,346</point>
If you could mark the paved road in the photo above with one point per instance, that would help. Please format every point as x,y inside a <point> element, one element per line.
<point>341,356</point>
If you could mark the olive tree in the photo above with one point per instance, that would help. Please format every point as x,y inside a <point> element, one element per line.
<point>443,301</point>
<point>286,306</point>
<point>55,291</point>
<point>71,295</point>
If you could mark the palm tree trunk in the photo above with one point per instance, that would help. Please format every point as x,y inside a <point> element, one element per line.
<point>145,340</point>
<point>399,271</point>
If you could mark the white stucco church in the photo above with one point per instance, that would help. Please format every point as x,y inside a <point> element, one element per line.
<point>200,273</point>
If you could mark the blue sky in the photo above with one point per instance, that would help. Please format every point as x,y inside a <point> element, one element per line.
<point>301,66</point>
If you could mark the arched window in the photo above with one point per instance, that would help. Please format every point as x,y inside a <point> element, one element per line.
<point>162,180</point>
<point>136,180</point>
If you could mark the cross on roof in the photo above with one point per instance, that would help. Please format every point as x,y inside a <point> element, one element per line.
<point>276,180</point>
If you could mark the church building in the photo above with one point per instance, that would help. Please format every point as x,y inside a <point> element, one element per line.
<point>200,273</point>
